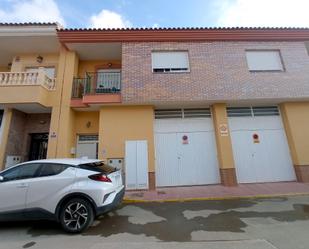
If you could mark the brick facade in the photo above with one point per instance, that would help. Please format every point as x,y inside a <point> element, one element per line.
<point>218,72</point>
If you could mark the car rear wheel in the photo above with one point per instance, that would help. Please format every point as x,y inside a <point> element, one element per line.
<point>76,215</point>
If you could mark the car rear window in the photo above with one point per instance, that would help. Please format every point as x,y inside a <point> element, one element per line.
<point>98,167</point>
<point>51,169</point>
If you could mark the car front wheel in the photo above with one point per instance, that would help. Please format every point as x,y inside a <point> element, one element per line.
<point>76,215</point>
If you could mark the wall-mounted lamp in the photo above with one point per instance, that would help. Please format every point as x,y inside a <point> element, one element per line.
<point>39,59</point>
<point>10,65</point>
<point>17,58</point>
<point>109,64</point>
<point>88,124</point>
<point>42,122</point>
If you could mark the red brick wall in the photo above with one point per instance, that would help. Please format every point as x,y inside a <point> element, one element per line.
<point>219,72</point>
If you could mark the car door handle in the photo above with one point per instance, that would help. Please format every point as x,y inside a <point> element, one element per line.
<point>22,185</point>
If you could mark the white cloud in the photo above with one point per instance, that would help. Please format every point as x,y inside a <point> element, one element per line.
<point>32,11</point>
<point>109,19</point>
<point>278,13</point>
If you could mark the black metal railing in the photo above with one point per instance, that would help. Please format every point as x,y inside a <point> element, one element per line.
<point>97,83</point>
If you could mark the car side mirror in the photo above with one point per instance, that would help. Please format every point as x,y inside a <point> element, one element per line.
<point>1,179</point>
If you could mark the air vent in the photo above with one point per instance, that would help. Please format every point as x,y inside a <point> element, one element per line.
<point>255,111</point>
<point>183,113</point>
<point>168,113</point>
<point>197,113</point>
<point>265,111</point>
<point>239,112</point>
<point>83,138</point>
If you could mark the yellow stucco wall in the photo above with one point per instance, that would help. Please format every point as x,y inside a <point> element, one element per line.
<point>62,137</point>
<point>82,119</point>
<point>223,140</point>
<point>5,127</point>
<point>4,69</point>
<point>90,66</point>
<point>118,124</point>
<point>28,94</point>
<point>296,122</point>
<point>30,60</point>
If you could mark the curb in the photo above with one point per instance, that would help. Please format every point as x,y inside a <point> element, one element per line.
<point>128,201</point>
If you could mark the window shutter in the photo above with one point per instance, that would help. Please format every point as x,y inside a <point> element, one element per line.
<point>264,61</point>
<point>170,60</point>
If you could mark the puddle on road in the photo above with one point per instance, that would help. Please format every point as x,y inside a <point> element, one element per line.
<point>30,244</point>
<point>176,227</point>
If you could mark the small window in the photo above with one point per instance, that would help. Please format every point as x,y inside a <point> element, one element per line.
<point>29,171</point>
<point>49,71</point>
<point>98,167</point>
<point>50,169</point>
<point>170,62</point>
<point>264,60</point>
<point>11,174</point>
<point>1,116</point>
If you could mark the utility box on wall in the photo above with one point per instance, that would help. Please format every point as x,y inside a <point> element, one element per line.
<point>12,160</point>
<point>116,162</point>
<point>136,157</point>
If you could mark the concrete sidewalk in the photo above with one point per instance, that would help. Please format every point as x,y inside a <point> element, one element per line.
<point>213,192</point>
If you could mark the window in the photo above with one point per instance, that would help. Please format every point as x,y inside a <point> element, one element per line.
<point>29,171</point>
<point>98,167</point>
<point>11,174</point>
<point>50,169</point>
<point>1,116</point>
<point>166,62</point>
<point>25,171</point>
<point>49,71</point>
<point>264,60</point>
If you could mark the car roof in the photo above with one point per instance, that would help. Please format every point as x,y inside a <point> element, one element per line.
<point>69,161</point>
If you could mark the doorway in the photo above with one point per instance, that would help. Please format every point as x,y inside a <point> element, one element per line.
<point>87,146</point>
<point>38,146</point>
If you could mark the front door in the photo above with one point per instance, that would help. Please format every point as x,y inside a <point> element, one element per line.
<point>38,146</point>
<point>87,146</point>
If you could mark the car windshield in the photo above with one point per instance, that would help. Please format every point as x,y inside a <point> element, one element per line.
<point>98,167</point>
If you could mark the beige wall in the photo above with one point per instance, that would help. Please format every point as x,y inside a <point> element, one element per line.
<point>5,128</point>
<point>118,124</point>
<point>223,139</point>
<point>296,122</point>
<point>4,69</point>
<point>29,60</point>
<point>92,66</point>
<point>62,137</point>
<point>81,120</point>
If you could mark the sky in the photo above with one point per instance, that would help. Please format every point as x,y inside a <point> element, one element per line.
<point>158,13</point>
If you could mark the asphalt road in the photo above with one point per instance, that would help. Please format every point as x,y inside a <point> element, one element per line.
<point>241,224</point>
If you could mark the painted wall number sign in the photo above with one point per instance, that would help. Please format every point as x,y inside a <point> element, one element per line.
<point>223,129</point>
<point>53,135</point>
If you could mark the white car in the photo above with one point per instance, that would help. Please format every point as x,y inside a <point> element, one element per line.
<point>70,191</point>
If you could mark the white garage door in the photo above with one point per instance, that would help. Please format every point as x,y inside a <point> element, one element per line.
<point>185,148</point>
<point>260,147</point>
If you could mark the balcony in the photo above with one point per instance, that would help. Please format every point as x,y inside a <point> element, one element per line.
<point>96,88</point>
<point>25,87</point>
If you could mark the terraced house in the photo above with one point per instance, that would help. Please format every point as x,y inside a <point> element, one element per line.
<point>170,106</point>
